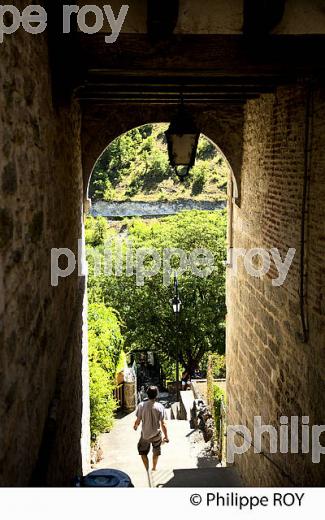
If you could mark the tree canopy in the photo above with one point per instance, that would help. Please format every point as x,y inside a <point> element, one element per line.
<point>145,311</point>
<point>105,348</point>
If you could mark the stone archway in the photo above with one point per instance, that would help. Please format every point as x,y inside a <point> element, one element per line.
<point>101,125</point>
<point>111,449</point>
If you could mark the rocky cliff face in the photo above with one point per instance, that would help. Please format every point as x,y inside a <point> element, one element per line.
<point>116,210</point>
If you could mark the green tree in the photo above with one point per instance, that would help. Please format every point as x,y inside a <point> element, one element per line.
<point>146,310</point>
<point>105,347</point>
<point>97,231</point>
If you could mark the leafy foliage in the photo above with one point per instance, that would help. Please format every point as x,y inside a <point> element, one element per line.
<point>219,397</point>
<point>136,166</point>
<point>97,231</point>
<point>218,365</point>
<point>146,310</point>
<point>105,347</point>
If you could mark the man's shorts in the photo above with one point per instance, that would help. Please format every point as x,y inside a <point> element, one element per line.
<point>144,445</point>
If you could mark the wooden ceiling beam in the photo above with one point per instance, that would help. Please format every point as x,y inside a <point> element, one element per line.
<point>224,55</point>
<point>98,101</point>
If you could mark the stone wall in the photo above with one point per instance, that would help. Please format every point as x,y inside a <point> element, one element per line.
<point>272,372</point>
<point>40,326</point>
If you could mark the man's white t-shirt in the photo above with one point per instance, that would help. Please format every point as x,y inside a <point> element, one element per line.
<point>151,413</point>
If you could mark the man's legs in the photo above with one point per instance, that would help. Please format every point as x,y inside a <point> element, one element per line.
<point>145,461</point>
<point>143,449</point>
<point>156,449</point>
<point>154,461</point>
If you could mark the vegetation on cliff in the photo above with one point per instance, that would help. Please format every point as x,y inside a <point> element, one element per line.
<point>135,166</point>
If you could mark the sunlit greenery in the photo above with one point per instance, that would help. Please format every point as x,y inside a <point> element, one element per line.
<point>219,399</point>
<point>127,313</point>
<point>105,347</point>
<point>146,310</point>
<point>135,166</point>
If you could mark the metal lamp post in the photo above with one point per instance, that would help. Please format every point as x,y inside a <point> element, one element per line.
<point>176,304</point>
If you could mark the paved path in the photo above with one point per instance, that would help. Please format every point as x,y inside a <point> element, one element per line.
<point>184,461</point>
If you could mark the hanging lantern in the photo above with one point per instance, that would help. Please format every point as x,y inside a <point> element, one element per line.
<point>182,139</point>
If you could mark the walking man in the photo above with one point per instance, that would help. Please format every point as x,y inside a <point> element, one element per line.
<point>152,415</point>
